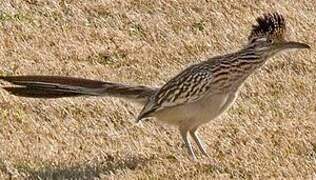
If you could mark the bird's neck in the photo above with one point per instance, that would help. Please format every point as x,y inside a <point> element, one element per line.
<point>236,67</point>
<point>250,58</point>
<point>247,62</point>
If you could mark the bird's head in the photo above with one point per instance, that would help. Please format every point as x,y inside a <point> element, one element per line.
<point>268,35</point>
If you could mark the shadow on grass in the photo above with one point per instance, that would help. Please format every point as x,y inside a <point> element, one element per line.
<point>91,170</point>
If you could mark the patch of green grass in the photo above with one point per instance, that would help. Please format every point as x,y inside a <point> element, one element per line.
<point>199,26</point>
<point>137,30</point>
<point>18,17</point>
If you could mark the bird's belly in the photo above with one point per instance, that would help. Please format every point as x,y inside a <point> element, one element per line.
<point>197,113</point>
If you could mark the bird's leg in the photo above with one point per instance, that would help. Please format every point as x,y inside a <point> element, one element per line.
<point>197,140</point>
<point>185,136</point>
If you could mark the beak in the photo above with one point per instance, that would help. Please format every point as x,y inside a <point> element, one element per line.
<point>293,45</point>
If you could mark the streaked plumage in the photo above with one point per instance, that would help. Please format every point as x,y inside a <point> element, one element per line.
<point>194,97</point>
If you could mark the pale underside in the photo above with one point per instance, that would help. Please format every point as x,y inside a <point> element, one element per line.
<point>192,115</point>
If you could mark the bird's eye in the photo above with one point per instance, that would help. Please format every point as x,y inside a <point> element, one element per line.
<point>269,40</point>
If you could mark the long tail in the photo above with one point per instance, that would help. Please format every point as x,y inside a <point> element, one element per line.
<point>58,87</point>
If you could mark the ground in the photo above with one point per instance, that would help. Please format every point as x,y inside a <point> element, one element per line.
<point>270,132</point>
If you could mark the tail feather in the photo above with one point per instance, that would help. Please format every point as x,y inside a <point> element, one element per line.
<point>36,93</point>
<point>58,87</point>
<point>52,80</point>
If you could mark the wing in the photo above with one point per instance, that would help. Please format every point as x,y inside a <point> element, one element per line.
<point>189,86</point>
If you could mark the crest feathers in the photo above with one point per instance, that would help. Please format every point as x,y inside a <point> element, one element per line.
<point>269,25</point>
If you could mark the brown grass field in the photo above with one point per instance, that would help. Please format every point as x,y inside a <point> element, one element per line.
<point>270,132</point>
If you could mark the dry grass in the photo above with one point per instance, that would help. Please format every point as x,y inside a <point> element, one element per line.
<point>269,132</point>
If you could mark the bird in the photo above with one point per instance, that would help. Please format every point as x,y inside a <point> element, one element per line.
<point>197,95</point>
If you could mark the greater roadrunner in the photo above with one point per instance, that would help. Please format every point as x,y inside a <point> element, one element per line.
<point>194,97</point>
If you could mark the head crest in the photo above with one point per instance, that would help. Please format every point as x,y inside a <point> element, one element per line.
<point>268,26</point>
